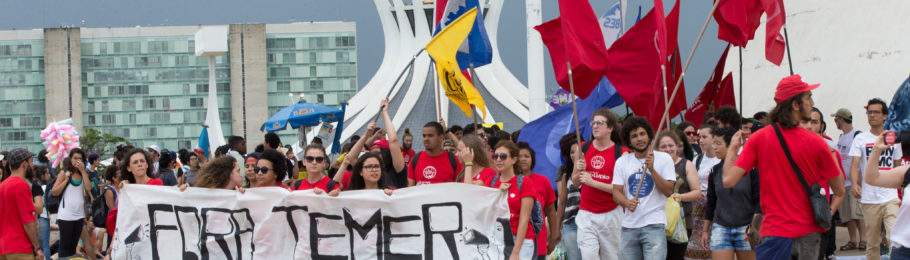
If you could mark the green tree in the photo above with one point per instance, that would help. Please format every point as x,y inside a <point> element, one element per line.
<point>93,140</point>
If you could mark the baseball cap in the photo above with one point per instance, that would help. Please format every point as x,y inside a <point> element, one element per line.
<point>381,143</point>
<point>18,155</point>
<point>843,113</point>
<point>155,147</point>
<point>791,86</point>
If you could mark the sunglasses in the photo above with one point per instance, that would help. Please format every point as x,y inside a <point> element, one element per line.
<point>500,156</point>
<point>262,169</point>
<point>317,159</point>
<point>372,167</point>
<point>692,133</point>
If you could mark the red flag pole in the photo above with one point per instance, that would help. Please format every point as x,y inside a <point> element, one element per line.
<point>574,108</point>
<point>683,74</point>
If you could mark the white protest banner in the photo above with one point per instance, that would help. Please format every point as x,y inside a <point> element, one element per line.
<point>439,221</point>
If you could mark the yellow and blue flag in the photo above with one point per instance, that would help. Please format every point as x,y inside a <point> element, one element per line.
<point>442,48</point>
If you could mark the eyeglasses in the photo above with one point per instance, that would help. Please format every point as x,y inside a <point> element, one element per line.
<point>500,156</point>
<point>873,112</point>
<point>262,169</point>
<point>372,167</point>
<point>317,159</point>
<point>598,123</point>
<point>693,133</point>
<point>194,159</point>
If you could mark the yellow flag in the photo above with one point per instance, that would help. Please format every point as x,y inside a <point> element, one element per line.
<point>443,48</point>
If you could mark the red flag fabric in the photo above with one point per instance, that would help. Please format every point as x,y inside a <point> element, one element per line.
<point>635,66</point>
<point>737,20</point>
<point>774,41</point>
<point>714,93</point>
<point>440,8</point>
<point>575,37</point>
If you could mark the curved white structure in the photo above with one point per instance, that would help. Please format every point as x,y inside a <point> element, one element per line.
<point>407,25</point>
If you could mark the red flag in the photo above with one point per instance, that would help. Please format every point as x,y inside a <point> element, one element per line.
<point>737,20</point>
<point>440,8</point>
<point>774,41</point>
<point>635,66</point>
<point>674,72</point>
<point>575,37</point>
<point>714,92</point>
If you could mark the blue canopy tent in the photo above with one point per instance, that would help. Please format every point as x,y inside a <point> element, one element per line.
<point>303,114</point>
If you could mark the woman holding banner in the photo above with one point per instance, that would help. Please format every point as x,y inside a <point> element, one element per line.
<point>520,199</point>
<point>471,151</point>
<point>368,175</point>
<point>272,167</point>
<point>220,173</point>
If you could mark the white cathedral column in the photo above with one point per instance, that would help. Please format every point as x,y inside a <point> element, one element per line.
<point>536,77</point>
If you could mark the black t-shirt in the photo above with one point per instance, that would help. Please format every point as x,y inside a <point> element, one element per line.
<point>36,190</point>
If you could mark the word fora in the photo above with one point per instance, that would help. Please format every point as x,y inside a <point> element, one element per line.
<point>234,234</point>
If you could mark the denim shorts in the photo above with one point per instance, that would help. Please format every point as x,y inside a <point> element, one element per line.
<point>727,238</point>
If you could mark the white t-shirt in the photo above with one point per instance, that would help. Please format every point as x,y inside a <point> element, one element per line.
<point>862,147</point>
<point>844,143</point>
<point>652,203</point>
<point>704,170</point>
<point>901,236</point>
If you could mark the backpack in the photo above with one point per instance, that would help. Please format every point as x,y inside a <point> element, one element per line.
<point>616,152</point>
<point>99,209</point>
<point>328,186</point>
<point>452,161</point>
<point>51,202</point>
<point>536,211</point>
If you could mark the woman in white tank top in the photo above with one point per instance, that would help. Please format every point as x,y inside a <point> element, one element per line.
<point>898,177</point>
<point>74,187</point>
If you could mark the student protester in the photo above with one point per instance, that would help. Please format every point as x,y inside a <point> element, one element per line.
<point>73,187</point>
<point>94,160</point>
<point>850,212</point>
<point>434,165</point>
<point>729,211</point>
<point>705,161</point>
<point>192,169</point>
<point>746,127</point>
<point>236,146</point>
<point>316,161</point>
<point>249,164</point>
<point>272,141</point>
<point>135,169</point>
<point>762,117</point>
<point>393,157</point>
<point>155,152</point>
<point>815,125</point>
<point>727,116</point>
<point>18,228</point>
<point>691,133</point>
<point>477,163</point>
<point>407,140</point>
<point>520,199</point>
<point>368,174</point>
<point>449,146</point>
<point>599,216</point>
<point>457,131</point>
<point>271,168</point>
<point>649,176</point>
<point>546,240</point>
<point>221,173</point>
<point>346,165</point>
<point>879,205</point>
<point>688,192</point>
<point>569,196</point>
<point>896,177</point>
<point>788,220</point>
<point>166,169</point>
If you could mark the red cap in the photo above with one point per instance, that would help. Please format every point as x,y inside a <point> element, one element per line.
<point>791,86</point>
<point>381,143</point>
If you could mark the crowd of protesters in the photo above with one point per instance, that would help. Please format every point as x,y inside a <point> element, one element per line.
<point>742,184</point>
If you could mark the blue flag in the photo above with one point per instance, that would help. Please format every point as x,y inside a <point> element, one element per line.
<point>544,133</point>
<point>204,140</point>
<point>336,143</point>
<point>899,113</point>
<point>476,49</point>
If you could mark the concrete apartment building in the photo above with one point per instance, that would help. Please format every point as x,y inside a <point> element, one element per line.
<point>145,84</point>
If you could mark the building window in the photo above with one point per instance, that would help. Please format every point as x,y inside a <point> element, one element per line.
<point>105,106</point>
<point>186,89</point>
<point>25,65</point>
<point>223,87</point>
<point>108,119</point>
<point>202,88</point>
<point>319,98</point>
<point>151,132</point>
<point>344,41</point>
<point>288,58</point>
<point>102,48</point>
<point>148,104</point>
<point>196,102</point>
<point>183,60</point>
<point>285,43</point>
<point>165,103</point>
<point>157,47</point>
<point>129,105</point>
<point>284,86</point>
<point>316,84</point>
<point>133,118</point>
<point>90,107</point>
<point>185,144</point>
<point>271,58</point>
<point>161,118</point>
<point>139,89</point>
<point>313,57</point>
<point>17,136</point>
<point>6,122</point>
<point>312,71</point>
<point>29,121</point>
<point>342,56</point>
<point>280,72</point>
<point>91,120</point>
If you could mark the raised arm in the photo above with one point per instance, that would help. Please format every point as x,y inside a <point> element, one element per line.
<point>892,178</point>
<point>355,151</point>
<point>732,174</point>
<point>394,146</point>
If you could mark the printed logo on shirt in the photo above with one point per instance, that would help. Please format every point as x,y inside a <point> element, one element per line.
<point>407,159</point>
<point>646,187</point>
<point>598,162</point>
<point>885,162</point>
<point>429,172</point>
<point>600,177</point>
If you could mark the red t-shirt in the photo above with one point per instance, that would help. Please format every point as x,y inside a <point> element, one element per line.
<point>408,154</point>
<point>514,200</point>
<point>547,197</point>
<point>16,209</point>
<point>600,165</point>
<point>346,181</point>
<point>111,223</point>
<point>434,169</point>
<point>785,204</point>
<point>321,184</point>
<point>484,174</point>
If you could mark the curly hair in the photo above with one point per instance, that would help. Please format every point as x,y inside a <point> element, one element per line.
<point>125,165</point>
<point>634,122</point>
<point>216,173</point>
<point>729,116</point>
<point>526,146</point>
<point>279,163</point>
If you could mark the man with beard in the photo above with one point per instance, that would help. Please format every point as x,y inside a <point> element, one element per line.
<point>789,217</point>
<point>18,228</point>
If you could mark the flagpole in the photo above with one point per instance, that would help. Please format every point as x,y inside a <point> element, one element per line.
<point>473,108</point>
<point>686,67</point>
<point>740,80</point>
<point>789,58</point>
<point>574,109</point>
<point>407,68</point>
<point>436,84</point>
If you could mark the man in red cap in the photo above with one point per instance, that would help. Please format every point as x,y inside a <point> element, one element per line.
<point>789,218</point>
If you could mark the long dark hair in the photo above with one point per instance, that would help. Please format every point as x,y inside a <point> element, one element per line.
<point>125,166</point>
<point>783,113</point>
<point>68,163</point>
<point>357,181</point>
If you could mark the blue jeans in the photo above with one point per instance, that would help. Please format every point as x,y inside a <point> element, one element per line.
<point>570,240</point>
<point>44,232</point>
<point>900,253</point>
<point>648,243</point>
